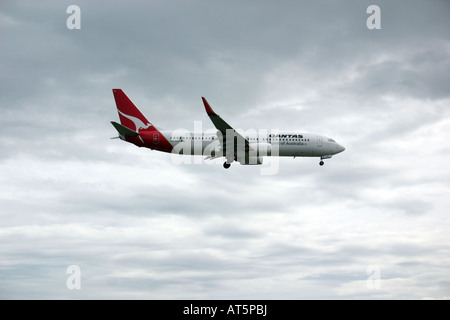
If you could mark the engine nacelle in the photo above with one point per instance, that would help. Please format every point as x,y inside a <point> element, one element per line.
<point>214,149</point>
<point>260,149</point>
<point>217,152</point>
<point>250,160</point>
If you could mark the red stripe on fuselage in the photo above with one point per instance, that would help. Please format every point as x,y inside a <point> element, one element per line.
<point>153,139</point>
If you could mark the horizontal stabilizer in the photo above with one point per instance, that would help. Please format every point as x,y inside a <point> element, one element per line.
<point>124,131</point>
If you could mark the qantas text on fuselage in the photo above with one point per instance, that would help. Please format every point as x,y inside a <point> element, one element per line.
<point>247,148</point>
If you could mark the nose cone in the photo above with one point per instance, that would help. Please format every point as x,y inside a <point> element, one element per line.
<point>340,148</point>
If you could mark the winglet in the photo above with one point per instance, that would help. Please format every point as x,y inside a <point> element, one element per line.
<point>208,108</point>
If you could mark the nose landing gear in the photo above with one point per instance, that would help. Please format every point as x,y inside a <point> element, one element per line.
<point>321,163</point>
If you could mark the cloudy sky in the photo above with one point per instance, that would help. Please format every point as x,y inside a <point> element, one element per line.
<point>373,223</point>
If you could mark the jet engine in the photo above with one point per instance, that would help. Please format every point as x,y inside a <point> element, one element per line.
<point>250,160</point>
<point>260,149</point>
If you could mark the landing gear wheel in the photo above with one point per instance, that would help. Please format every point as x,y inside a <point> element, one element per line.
<point>321,163</point>
<point>226,165</point>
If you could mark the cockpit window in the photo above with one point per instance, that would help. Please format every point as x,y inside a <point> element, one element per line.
<point>331,140</point>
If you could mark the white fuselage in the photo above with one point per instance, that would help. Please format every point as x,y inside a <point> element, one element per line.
<point>281,144</point>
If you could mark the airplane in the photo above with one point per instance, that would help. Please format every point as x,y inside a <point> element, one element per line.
<point>247,148</point>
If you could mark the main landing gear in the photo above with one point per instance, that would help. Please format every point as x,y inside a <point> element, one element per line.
<point>321,163</point>
<point>226,165</point>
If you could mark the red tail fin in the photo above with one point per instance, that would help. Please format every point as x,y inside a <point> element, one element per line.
<point>129,114</point>
<point>139,130</point>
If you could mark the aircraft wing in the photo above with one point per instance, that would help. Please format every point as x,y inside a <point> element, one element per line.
<point>222,125</point>
<point>232,142</point>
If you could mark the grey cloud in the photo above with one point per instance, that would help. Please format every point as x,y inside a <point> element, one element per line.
<point>141,226</point>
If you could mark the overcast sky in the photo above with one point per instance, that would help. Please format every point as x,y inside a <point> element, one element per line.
<point>139,225</point>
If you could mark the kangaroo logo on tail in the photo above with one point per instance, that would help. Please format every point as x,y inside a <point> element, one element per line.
<point>137,122</point>
<point>143,134</point>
